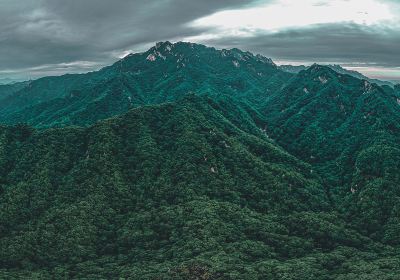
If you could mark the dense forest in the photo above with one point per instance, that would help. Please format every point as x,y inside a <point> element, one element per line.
<point>187,162</point>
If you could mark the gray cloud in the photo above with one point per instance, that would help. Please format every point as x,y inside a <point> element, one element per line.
<point>349,43</point>
<point>42,37</point>
<point>45,32</point>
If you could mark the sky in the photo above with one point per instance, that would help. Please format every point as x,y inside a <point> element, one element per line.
<point>52,37</point>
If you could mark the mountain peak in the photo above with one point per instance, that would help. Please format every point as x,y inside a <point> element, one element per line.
<point>318,67</point>
<point>323,72</point>
<point>186,52</point>
<point>163,44</point>
<point>317,74</point>
<point>265,59</point>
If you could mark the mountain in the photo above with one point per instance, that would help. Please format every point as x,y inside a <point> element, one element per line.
<point>349,130</point>
<point>171,191</point>
<point>7,81</point>
<point>9,89</point>
<point>339,69</point>
<point>294,69</point>
<point>164,73</point>
<point>397,88</point>
<point>166,187</point>
<point>187,162</point>
<point>360,76</point>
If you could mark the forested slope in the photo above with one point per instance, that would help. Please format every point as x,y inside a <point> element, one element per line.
<point>187,162</point>
<point>164,73</point>
<point>349,130</point>
<point>169,191</point>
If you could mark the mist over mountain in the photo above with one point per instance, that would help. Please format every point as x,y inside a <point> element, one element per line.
<point>7,81</point>
<point>190,162</point>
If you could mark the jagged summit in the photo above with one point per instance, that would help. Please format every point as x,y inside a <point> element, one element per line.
<point>165,72</point>
<point>317,72</point>
<point>163,44</point>
<point>164,49</point>
<point>318,67</point>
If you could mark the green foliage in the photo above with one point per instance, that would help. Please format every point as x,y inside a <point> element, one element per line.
<point>175,71</point>
<point>214,165</point>
<point>176,191</point>
<point>349,130</point>
<point>10,89</point>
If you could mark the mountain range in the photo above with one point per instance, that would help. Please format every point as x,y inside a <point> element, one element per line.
<point>339,69</point>
<point>189,162</point>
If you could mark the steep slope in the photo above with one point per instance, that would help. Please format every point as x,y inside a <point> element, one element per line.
<point>166,72</point>
<point>173,191</point>
<point>349,130</point>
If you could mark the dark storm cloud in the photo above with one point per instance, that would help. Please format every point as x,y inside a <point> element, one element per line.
<point>39,32</point>
<point>350,43</point>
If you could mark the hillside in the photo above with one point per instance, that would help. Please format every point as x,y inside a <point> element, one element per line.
<point>174,191</point>
<point>133,184</point>
<point>349,130</point>
<point>187,162</point>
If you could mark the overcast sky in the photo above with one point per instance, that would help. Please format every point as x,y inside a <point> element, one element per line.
<point>52,37</point>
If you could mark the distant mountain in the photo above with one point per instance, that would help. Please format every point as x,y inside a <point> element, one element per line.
<point>294,69</point>
<point>7,81</point>
<point>7,90</point>
<point>164,73</point>
<point>360,76</point>
<point>339,69</point>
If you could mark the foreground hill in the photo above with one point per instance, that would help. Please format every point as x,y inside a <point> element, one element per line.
<point>175,191</point>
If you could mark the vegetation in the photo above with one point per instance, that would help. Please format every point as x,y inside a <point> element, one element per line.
<point>9,89</point>
<point>339,69</point>
<point>349,130</point>
<point>164,73</point>
<point>226,168</point>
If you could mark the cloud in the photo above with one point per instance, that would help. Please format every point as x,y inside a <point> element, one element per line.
<point>53,32</point>
<point>41,37</point>
<point>373,50</point>
<point>355,33</point>
<point>346,43</point>
<point>294,14</point>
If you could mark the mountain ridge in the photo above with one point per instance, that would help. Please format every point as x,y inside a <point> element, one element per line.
<point>187,162</point>
<point>335,122</point>
<point>144,78</point>
<point>294,69</point>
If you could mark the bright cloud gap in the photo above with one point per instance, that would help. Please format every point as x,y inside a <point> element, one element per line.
<point>289,13</point>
